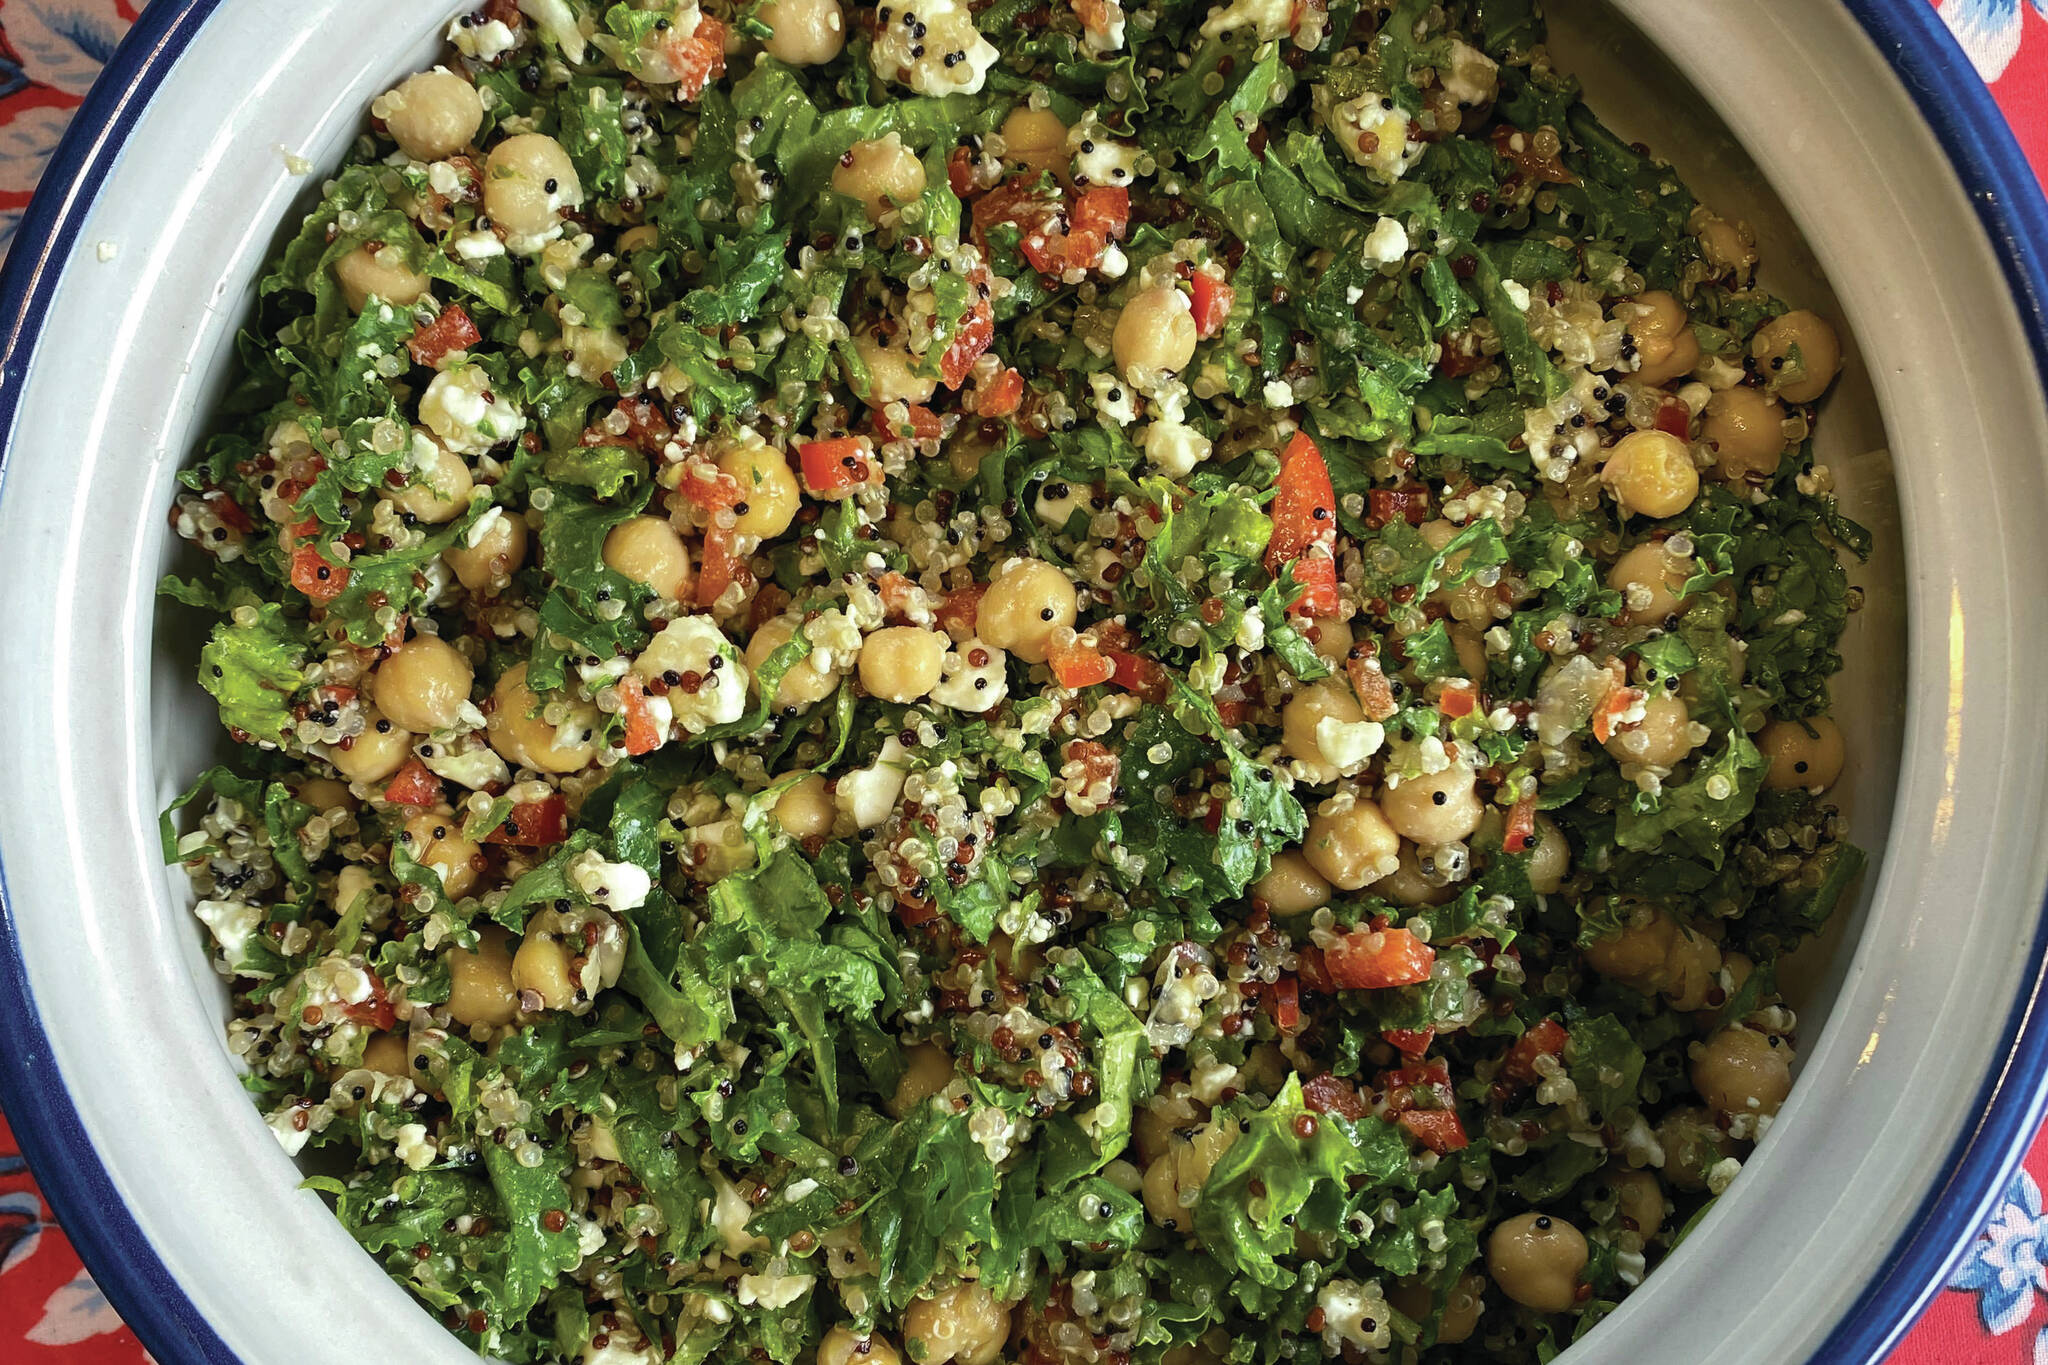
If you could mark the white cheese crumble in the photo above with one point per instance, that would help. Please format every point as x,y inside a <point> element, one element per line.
<point>966,687</point>
<point>688,645</point>
<point>461,408</point>
<point>1387,242</point>
<point>869,794</point>
<point>615,886</point>
<point>933,47</point>
<point>1267,19</point>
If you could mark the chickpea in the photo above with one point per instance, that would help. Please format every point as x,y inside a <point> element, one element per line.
<point>379,751</point>
<point>1799,756</point>
<point>963,1325</point>
<point>1665,345</point>
<point>1027,601</point>
<point>1173,1182</point>
<point>927,1069</point>
<point>432,115</point>
<point>1471,602</point>
<point>1471,649</point>
<point>1035,138</point>
<point>1292,886</point>
<point>1651,583</point>
<point>841,1346</point>
<point>438,485</point>
<point>1437,808</point>
<point>528,181</point>
<point>524,738</point>
<point>1536,1259</point>
<point>893,375</point>
<point>486,566</point>
<point>901,663</point>
<point>385,274</point>
<point>1660,955</point>
<point>1406,884</point>
<point>648,551</point>
<point>1416,1299</point>
<point>1550,860</point>
<point>1651,474</point>
<point>1819,355</point>
<point>1155,333</point>
<point>1332,638</point>
<point>435,840</point>
<point>388,1053</point>
<point>1154,1122</point>
<point>807,33</point>
<point>1640,1199</point>
<point>1693,1144</point>
<point>768,489</point>
<point>1306,710</point>
<point>1745,427</point>
<point>645,237</point>
<point>1351,845</point>
<point>324,794</point>
<point>424,683</point>
<point>806,810</point>
<point>541,966</point>
<point>480,982</point>
<point>882,173</point>
<point>1740,1071</point>
<point>1727,246</point>
<point>1693,971</point>
<point>1663,737</point>
<point>804,684</point>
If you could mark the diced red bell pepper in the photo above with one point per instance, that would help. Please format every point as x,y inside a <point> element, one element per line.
<point>228,510</point>
<point>919,423</point>
<point>1384,506</point>
<point>642,734</point>
<point>1055,237</point>
<point>1079,664</point>
<point>376,1012</point>
<point>698,59</point>
<point>1332,1094</point>
<point>1315,573</point>
<point>721,566</point>
<point>1612,708</point>
<point>1002,396</point>
<point>1304,520</point>
<point>835,468</point>
<point>977,330</point>
<point>435,341</point>
<point>534,824</point>
<point>1410,1042</point>
<point>705,485</point>
<point>1104,209</point>
<point>1283,998</point>
<point>1375,959</point>
<point>1457,701</point>
<point>312,575</point>
<point>1521,826</point>
<point>1440,1130</point>
<point>960,172</point>
<point>1674,418</point>
<point>1375,691</point>
<point>647,427</point>
<point>1544,1039</point>
<point>1136,674</point>
<point>1313,969</point>
<point>413,785</point>
<point>959,609</point>
<point>1213,300</point>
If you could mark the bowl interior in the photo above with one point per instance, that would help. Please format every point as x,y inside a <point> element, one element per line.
<point>1916,1000</point>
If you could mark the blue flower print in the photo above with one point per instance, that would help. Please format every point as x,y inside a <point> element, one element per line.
<point>1989,31</point>
<point>2004,1266</point>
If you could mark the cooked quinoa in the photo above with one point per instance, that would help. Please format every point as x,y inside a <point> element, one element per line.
<point>968,682</point>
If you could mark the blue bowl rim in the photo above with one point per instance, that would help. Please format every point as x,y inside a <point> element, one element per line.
<point>1939,78</point>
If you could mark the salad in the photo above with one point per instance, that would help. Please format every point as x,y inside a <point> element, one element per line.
<point>1014,681</point>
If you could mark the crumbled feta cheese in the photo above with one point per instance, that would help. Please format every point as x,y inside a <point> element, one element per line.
<point>967,686</point>
<point>1175,448</point>
<point>770,1290</point>
<point>729,1214</point>
<point>486,42</point>
<point>1100,159</point>
<point>462,409</point>
<point>933,47</point>
<point>1387,242</point>
<point>1518,294</point>
<point>1470,76</point>
<point>231,923</point>
<point>869,794</point>
<point>414,1147</point>
<point>557,21</point>
<point>1278,393</point>
<point>1373,132</point>
<point>688,645</point>
<point>475,766</point>
<point>1347,744</point>
<point>615,886</point>
<point>1114,401</point>
<point>1267,19</point>
<point>1355,1316</point>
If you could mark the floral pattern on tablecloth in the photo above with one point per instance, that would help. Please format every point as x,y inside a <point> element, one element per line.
<point>51,1312</point>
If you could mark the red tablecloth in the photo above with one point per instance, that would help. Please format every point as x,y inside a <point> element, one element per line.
<point>51,1313</point>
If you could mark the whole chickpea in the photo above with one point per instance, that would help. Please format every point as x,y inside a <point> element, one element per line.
<point>1330,699</point>
<point>902,663</point>
<point>806,810</point>
<point>840,1346</point>
<point>1651,582</point>
<point>1026,602</point>
<point>1693,1144</point>
<point>526,739</point>
<point>1155,333</point>
<point>1640,1199</point>
<point>1550,860</point>
<point>424,683</point>
<point>804,684</point>
<point>528,181</point>
<point>433,114</point>
<point>1437,808</point>
<point>388,1053</point>
<point>1801,756</point>
<point>1727,246</point>
<point>1636,956</point>
<point>807,33</point>
<point>1034,138</point>
<point>1406,884</point>
<point>324,794</point>
<point>1292,886</point>
<point>379,751</point>
<point>480,982</point>
<point>1173,1182</point>
<point>882,173</point>
<point>1417,1300</point>
<point>1819,359</point>
<point>892,374</point>
<point>541,966</point>
<point>1741,1071</point>
<point>486,566</point>
<point>1665,345</point>
<point>1332,638</point>
<point>1536,1260</point>
<point>438,484</point>
<point>1154,1122</point>
<point>1651,474</point>
<point>927,1069</point>
<point>1471,650</point>
<point>434,839</point>
<point>1663,737</point>
<point>769,495</point>
<point>648,551</point>
<point>1351,843</point>
<point>382,273</point>
<point>1745,428</point>
<point>963,1325</point>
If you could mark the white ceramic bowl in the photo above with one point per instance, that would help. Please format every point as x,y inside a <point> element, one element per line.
<point>1920,1086</point>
